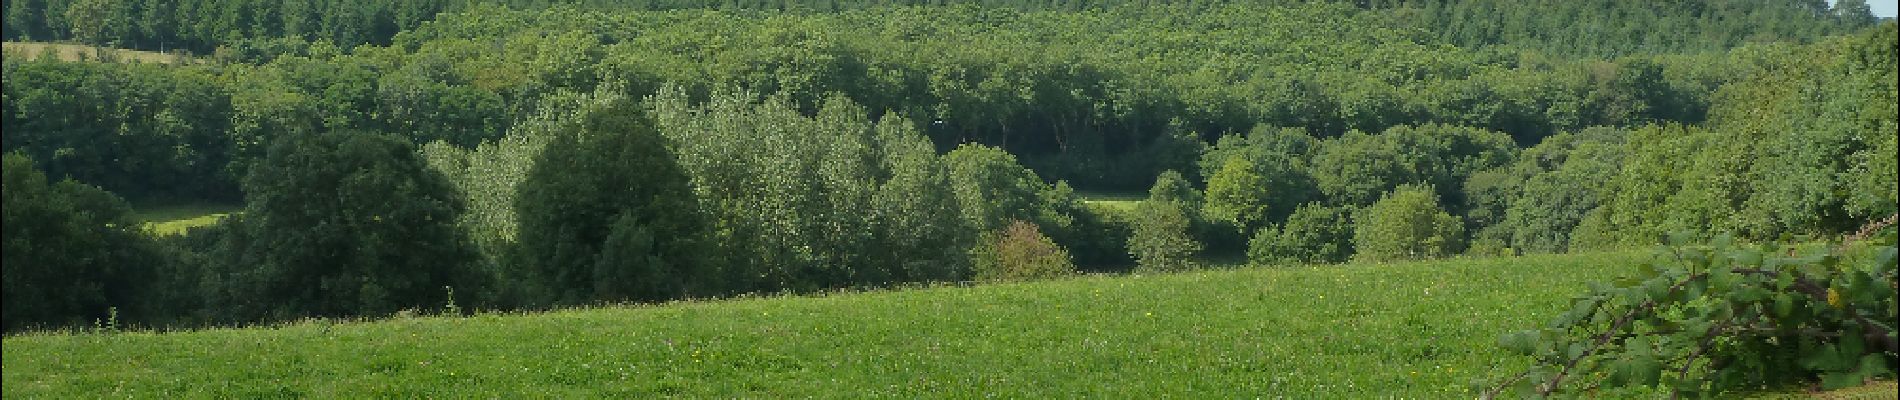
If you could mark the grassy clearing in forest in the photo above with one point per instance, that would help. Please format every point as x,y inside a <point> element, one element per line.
<point>76,52</point>
<point>176,219</point>
<point>1125,202</point>
<point>1423,329</point>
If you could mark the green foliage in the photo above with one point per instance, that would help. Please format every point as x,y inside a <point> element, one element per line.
<point>1161,238</point>
<point>826,172</point>
<point>1019,252</point>
<point>1406,224</point>
<point>808,203</point>
<point>72,251</point>
<point>1874,168</point>
<point>917,208</point>
<point>1822,126</point>
<point>1110,114</point>
<point>1314,234</point>
<point>607,214</point>
<point>1095,236</point>
<point>1488,247</point>
<point>991,187</point>
<point>1617,28</point>
<point>1237,195</point>
<point>146,132</point>
<point>1279,156</point>
<point>98,21</point>
<point>489,173</point>
<point>1358,168</point>
<point>1549,191</point>
<point>1713,320</point>
<point>1172,187</point>
<point>341,224</point>
<point>1610,28</point>
<point>1774,161</point>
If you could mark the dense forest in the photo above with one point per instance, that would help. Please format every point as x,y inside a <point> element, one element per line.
<point>519,155</point>
<point>1602,28</point>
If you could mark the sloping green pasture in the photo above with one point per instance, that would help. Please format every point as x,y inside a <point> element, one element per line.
<point>1421,329</point>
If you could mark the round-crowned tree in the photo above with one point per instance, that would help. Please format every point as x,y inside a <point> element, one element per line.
<point>71,251</point>
<point>991,188</point>
<point>344,223</point>
<point>607,214</point>
<point>1406,224</point>
<point>1237,195</point>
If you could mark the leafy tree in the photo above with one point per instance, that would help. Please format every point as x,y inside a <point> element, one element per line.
<point>1357,168</point>
<point>1237,195</point>
<point>1161,239</point>
<point>71,252</point>
<point>100,22</point>
<point>1721,319</point>
<point>1406,224</point>
<point>1279,157</point>
<point>489,174</point>
<point>1314,234</point>
<point>607,214</point>
<point>343,224</point>
<point>992,188</point>
<point>921,225</point>
<point>1551,204</point>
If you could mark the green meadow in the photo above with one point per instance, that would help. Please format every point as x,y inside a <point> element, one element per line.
<point>177,219</point>
<point>1420,329</point>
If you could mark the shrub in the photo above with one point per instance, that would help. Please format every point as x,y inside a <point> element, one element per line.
<point>1490,248</point>
<point>1406,224</point>
<point>1313,234</point>
<point>1160,240</point>
<point>1020,252</point>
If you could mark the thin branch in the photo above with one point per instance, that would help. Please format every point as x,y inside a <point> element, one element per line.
<point>1628,316</point>
<point>1708,342</point>
<point>1493,393</point>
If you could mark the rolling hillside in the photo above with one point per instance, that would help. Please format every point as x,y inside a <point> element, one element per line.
<point>1422,329</point>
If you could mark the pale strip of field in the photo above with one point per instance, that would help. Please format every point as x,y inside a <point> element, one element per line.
<point>77,52</point>
<point>177,219</point>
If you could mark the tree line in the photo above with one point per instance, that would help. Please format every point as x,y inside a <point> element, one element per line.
<point>1103,99</point>
<point>1597,28</point>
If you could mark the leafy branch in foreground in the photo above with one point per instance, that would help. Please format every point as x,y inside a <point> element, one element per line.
<point>1702,320</point>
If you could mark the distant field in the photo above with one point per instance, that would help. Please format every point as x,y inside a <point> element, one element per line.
<point>73,52</point>
<point>1410,330</point>
<point>1113,200</point>
<point>176,219</point>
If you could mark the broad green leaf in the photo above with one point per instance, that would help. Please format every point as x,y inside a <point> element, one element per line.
<point>1746,257</point>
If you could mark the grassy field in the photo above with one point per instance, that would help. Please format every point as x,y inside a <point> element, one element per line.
<point>176,219</point>
<point>74,52</point>
<point>1409,329</point>
<point>1125,202</point>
